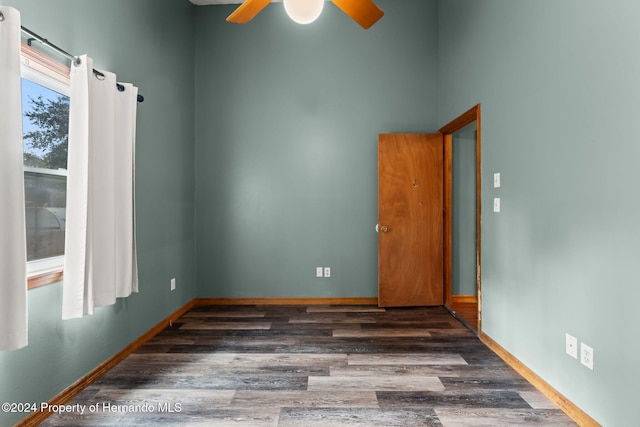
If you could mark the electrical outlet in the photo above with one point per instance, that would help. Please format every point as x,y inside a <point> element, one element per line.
<point>327,272</point>
<point>571,346</point>
<point>319,272</point>
<point>586,356</point>
<point>173,284</point>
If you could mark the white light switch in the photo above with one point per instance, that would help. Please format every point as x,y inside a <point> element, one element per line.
<point>571,346</point>
<point>496,204</point>
<point>496,180</point>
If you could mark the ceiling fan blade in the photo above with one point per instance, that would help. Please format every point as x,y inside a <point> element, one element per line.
<point>364,12</point>
<point>247,11</point>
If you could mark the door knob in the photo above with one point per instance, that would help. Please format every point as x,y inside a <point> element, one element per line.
<point>382,228</point>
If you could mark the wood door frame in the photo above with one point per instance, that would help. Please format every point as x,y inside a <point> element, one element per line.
<point>470,116</point>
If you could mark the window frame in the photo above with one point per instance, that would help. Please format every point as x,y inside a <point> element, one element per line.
<point>45,71</point>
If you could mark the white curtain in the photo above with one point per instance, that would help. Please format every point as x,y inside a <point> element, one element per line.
<point>100,246</point>
<point>13,246</point>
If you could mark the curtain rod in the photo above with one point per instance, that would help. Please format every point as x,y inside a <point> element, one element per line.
<point>74,59</point>
<point>47,43</point>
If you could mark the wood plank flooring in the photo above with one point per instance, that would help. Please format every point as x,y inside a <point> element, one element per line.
<point>312,366</point>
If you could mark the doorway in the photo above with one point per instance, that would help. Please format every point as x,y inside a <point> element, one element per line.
<point>468,308</point>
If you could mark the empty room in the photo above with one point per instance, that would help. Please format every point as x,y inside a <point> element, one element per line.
<point>405,212</point>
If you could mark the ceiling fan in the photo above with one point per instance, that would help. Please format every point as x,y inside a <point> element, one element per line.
<point>364,12</point>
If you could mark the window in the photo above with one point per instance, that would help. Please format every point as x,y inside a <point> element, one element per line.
<point>45,120</point>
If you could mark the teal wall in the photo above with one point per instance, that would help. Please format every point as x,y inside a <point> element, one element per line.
<point>274,165</point>
<point>287,121</point>
<point>149,43</point>
<point>463,211</point>
<point>558,83</point>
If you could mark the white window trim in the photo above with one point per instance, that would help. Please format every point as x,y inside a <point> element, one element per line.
<point>45,80</point>
<point>40,69</point>
<point>43,65</point>
<point>57,172</point>
<point>45,265</point>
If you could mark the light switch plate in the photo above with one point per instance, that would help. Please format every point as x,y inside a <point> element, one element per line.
<point>496,180</point>
<point>496,204</point>
<point>571,346</point>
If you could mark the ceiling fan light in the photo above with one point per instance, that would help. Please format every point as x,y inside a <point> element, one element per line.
<point>303,11</point>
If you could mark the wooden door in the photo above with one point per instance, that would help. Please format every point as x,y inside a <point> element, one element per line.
<point>410,220</point>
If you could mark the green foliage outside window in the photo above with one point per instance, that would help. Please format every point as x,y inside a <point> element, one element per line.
<point>49,137</point>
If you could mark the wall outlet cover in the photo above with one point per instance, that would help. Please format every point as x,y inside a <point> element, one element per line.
<point>571,346</point>
<point>319,272</point>
<point>586,356</point>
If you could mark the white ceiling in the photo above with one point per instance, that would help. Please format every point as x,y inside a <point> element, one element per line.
<point>206,2</point>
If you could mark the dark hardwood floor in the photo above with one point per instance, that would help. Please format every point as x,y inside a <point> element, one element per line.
<point>312,366</point>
